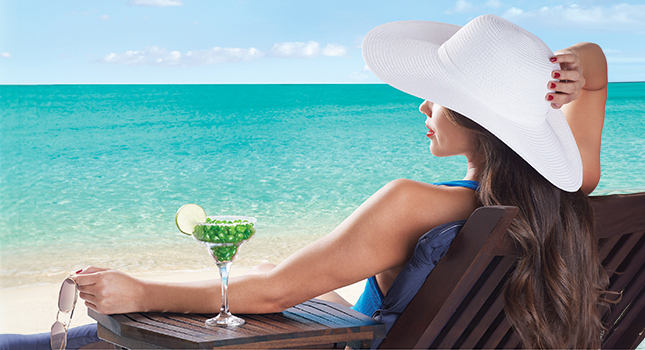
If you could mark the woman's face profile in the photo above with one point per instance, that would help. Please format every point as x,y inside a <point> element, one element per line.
<point>446,138</point>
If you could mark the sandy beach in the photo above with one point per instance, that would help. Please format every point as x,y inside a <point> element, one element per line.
<point>32,309</point>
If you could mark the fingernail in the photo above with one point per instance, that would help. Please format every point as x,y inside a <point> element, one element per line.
<point>556,75</point>
<point>549,97</point>
<point>552,86</point>
<point>79,271</point>
<point>553,59</point>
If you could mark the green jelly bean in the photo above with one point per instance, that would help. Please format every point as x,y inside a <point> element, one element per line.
<point>198,232</point>
<point>224,253</point>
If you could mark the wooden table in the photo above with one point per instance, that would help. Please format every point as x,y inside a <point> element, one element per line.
<point>314,323</point>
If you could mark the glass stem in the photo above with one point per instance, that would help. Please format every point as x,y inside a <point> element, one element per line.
<point>224,269</point>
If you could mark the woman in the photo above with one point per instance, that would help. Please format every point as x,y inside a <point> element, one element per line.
<point>482,88</point>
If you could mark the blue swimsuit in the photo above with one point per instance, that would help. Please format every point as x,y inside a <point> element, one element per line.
<point>372,297</point>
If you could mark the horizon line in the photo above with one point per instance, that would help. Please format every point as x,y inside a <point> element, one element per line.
<point>258,83</point>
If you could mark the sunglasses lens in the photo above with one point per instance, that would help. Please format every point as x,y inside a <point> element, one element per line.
<point>58,337</point>
<point>67,296</point>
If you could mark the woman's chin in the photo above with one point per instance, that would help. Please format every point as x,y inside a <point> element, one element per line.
<point>437,153</point>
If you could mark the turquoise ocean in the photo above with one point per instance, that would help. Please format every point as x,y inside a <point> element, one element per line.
<point>94,174</point>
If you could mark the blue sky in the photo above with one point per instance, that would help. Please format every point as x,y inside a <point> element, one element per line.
<point>269,41</point>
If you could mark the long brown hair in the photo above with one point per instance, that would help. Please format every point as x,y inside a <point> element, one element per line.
<point>552,297</point>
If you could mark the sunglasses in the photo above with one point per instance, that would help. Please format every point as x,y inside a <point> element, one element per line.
<point>66,303</point>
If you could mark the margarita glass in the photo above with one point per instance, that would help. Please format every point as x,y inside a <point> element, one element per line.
<point>223,236</point>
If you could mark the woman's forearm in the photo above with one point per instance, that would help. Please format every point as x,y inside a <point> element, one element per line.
<point>202,296</point>
<point>586,114</point>
<point>247,294</point>
<point>113,292</point>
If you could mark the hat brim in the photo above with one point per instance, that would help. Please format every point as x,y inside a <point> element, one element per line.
<point>406,55</point>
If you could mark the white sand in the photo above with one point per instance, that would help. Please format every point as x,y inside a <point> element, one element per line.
<point>27,310</point>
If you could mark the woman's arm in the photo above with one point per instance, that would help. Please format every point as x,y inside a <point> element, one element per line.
<point>380,235</point>
<point>581,91</point>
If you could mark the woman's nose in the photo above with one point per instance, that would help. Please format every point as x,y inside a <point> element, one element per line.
<point>426,108</point>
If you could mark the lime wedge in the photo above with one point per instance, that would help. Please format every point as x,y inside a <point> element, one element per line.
<point>188,216</point>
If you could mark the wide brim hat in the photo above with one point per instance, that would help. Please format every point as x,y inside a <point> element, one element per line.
<point>491,71</point>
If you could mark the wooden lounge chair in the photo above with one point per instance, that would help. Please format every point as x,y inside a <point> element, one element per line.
<point>460,305</point>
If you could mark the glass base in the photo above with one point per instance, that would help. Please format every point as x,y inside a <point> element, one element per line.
<point>225,319</point>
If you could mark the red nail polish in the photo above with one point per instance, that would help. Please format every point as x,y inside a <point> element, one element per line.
<point>549,98</point>
<point>552,86</point>
<point>553,59</point>
<point>79,271</point>
<point>556,75</point>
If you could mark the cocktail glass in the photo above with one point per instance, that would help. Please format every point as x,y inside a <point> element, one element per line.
<point>223,235</point>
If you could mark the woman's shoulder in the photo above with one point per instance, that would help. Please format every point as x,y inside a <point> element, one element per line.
<point>444,202</point>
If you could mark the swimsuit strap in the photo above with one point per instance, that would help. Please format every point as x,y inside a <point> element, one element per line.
<point>473,185</point>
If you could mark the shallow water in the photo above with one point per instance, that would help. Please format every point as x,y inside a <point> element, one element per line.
<point>93,174</point>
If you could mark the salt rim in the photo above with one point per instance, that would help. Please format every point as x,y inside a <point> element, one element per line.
<point>244,220</point>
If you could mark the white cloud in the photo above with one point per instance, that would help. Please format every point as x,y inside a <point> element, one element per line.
<point>363,75</point>
<point>622,16</point>
<point>159,56</point>
<point>5,55</point>
<point>154,55</point>
<point>463,6</point>
<point>105,17</point>
<point>305,50</point>
<point>334,50</point>
<point>156,3</point>
<point>494,3</point>
<point>513,12</point>
<point>295,49</point>
<point>221,55</point>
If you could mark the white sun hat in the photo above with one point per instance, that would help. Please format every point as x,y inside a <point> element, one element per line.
<point>489,70</point>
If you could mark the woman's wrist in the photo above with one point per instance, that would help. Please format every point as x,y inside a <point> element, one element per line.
<point>149,298</point>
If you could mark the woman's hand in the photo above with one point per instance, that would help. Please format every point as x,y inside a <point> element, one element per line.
<point>109,291</point>
<point>570,78</point>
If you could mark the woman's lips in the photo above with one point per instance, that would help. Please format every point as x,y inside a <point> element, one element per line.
<point>430,133</point>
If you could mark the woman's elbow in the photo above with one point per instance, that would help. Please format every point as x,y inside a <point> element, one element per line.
<point>276,295</point>
<point>594,65</point>
<point>590,179</point>
<point>273,306</point>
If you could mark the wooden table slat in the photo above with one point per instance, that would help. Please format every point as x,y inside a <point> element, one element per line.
<point>168,324</point>
<point>106,334</point>
<point>323,312</point>
<point>177,323</point>
<point>273,323</point>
